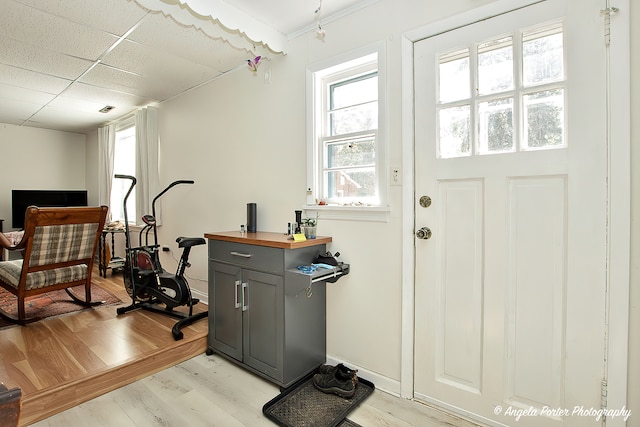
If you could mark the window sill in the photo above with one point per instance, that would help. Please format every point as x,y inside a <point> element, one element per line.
<point>351,213</point>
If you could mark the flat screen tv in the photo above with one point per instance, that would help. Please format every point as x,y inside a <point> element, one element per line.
<point>22,199</point>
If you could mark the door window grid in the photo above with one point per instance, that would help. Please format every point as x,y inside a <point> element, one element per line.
<point>517,104</point>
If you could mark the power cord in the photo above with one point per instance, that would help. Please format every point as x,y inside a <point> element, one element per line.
<point>177,261</point>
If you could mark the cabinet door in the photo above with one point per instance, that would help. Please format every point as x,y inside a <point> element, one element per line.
<point>225,309</point>
<point>263,322</point>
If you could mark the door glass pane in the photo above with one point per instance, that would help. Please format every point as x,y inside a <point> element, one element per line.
<point>356,183</point>
<point>454,132</point>
<point>454,76</point>
<point>542,56</point>
<point>544,119</point>
<point>495,66</point>
<point>495,126</point>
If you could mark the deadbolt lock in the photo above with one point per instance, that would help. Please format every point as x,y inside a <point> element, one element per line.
<point>425,201</point>
<point>424,233</point>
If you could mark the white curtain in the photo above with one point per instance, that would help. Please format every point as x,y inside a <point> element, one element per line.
<point>106,148</point>
<point>147,162</point>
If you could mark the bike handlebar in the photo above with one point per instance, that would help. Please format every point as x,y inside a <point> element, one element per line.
<point>173,184</point>
<point>120,176</point>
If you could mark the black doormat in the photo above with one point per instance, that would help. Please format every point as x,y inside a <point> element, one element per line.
<point>303,405</point>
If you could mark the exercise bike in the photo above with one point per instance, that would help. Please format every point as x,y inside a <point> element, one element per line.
<point>147,283</point>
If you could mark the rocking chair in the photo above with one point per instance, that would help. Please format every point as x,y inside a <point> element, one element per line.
<point>58,251</point>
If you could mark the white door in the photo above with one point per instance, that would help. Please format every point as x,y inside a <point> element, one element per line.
<point>510,147</point>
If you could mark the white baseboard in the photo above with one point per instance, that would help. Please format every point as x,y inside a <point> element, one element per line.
<point>203,297</point>
<point>381,382</point>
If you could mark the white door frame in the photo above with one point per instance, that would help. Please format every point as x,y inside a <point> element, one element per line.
<point>619,174</point>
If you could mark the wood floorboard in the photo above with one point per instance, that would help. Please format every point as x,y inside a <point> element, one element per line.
<point>100,369</point>
<point>64,361</point>
<point>207,391</point>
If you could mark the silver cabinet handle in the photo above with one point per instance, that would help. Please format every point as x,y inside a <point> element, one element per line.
<point>240,254</point>
<point>237,303</point>
<point>244,297</point>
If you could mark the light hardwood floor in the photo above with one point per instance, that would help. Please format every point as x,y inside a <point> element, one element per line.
<point>64,361</point>
<point>210,391</point>
<point>99,369</point>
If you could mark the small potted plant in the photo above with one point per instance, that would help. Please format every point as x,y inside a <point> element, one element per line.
<point>309,227</point>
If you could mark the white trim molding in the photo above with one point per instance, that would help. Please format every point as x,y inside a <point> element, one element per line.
<point>354,213</point>
<point>220,20</point>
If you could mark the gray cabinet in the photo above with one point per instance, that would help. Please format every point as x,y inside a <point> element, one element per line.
<point>263,314</point>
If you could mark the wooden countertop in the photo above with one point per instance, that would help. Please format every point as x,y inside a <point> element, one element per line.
<point>266,238</point>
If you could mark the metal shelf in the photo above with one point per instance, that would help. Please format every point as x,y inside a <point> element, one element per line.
<point>322,274</point>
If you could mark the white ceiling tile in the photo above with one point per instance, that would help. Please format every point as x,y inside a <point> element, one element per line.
<point>53,33</point>
<point>13,111</point>
<point>7,118</point>
<point>57,111</point>
<point>187,43</point>
<point>30,57</point>
<point>75,115</point>
<point>77,109</point>
<point>91,98</point>
<point>13,76</point>
<point>158,66</point>
<point>118,80</point>
<point>19,94</point>
<point>56,119</point>
<point>113,16</point>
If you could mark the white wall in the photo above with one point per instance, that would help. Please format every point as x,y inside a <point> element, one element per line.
<point>243,141</point>
<point>39,159</point>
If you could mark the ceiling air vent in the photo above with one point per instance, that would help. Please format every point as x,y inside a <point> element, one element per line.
<point>106,108</point>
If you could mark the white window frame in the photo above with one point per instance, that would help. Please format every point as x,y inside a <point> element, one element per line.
<point>319,75</point>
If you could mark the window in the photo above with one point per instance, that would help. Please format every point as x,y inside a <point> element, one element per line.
<point>124,163</point>
<point>503,95</point>
<point>346,143</point>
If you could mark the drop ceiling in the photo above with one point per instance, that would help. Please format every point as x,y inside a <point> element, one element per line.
<point>62,61</point>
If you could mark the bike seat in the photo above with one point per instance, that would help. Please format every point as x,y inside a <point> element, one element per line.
<point>187,242</point>
<point>149,219</point>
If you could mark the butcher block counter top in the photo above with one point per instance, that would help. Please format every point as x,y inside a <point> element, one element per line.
<point>266,238</point>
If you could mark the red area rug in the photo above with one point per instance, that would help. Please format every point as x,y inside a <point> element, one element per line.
<point>53,303</point>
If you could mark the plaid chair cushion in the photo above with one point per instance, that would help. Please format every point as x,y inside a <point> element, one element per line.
<point>10,274</point>
<point>60,243</point>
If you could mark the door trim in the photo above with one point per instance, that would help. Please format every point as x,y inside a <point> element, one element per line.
<point>619,252</point>
<point>619,177</point>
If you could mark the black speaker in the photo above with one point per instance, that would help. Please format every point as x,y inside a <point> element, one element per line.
<point>252,217</point>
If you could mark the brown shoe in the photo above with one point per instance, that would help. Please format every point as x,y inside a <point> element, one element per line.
<point>330,369</point>
<point>337,382</point>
